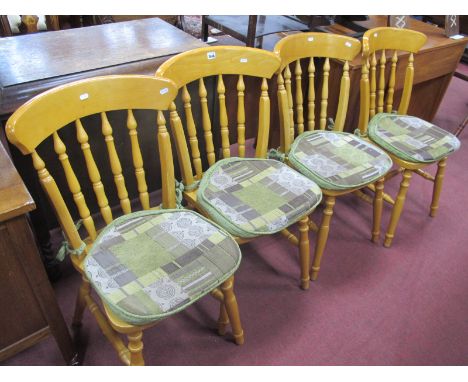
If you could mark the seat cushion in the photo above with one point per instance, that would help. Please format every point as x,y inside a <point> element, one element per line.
<point>411,138</point>
<point>150,264</point>
<point>338,161</point>
<point>251,197</point>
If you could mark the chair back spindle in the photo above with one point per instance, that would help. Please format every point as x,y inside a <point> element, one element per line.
<point>93,172</point>
<point>192,132</point>
<point>241,116</point>
<point>311,96</point>
<point>299,98</point>
<point>74,186</point>
<point>137,161</point>
<point>116,167</point>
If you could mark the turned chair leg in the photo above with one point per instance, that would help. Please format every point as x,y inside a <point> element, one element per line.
<point>81,303</point>
<point>223,320</point>
<point>322,236</point>
<point>304,252</point>
<point>397,208</point>
<point>439,179</point>
<point>135,346</point>
<point>378,205</point>
<point>232,310</point>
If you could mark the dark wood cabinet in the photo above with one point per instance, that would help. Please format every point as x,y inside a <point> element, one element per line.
<point>28,308</point>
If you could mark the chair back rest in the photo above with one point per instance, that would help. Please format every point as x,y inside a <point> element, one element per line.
<point>312,46</point>
<point>197,66</point>
<point>385,48</point>
<point>43,117</point>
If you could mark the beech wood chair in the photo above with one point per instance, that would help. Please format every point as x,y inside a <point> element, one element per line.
<point>411,142</point>
<point>339,162</point>
<point>145,265</point>
<point>249,197</point>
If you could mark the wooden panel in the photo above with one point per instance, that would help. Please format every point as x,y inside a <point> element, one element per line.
<point>21,315</point>
<point>30,310</point>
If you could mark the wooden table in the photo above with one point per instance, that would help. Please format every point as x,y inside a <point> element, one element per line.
<point>31,64</point>
<point>250,28</point>
<point>434,66</point>
<point>29,311</point>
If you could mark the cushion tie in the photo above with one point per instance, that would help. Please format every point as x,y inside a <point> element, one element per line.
<point>179,191</point>
<point>277,155</point>
<point>65,248</point>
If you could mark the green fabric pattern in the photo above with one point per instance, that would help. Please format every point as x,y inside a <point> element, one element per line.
<point>149,265</point>
<point>411,138</point>
<point>252,197</point>
<point>337,160</point>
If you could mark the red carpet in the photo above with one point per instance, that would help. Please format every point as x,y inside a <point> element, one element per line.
<point>370,306</point>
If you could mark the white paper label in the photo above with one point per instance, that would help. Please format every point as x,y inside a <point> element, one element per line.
<point>310,39</point>
<point>163,90</point>
<point>84,96</point>
<point>211,55</point>
<point>243,60</point>
<point>348,44</point>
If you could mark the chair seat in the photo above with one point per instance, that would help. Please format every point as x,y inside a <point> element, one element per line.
<point>251,197</point>
<point>411,138</point>
<point>338,161</point>
<point>150,264</point>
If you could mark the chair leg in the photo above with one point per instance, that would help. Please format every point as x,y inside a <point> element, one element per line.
<point>232,310</point>
<point>439,179</point>
<point>378,205</point>
<point>322,236</point>
<point>135,346</point>
<point>304,252</point>
<point>81,303</point>
<point>223,320</point>
<point>397,208</point>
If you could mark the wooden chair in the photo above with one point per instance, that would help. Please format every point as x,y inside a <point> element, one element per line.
<point>249,197</point>
<point>145,265</point>
<point>411,142</point>
<point>340,163</point>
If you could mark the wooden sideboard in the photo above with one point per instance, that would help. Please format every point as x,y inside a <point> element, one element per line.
<point>29,309</point>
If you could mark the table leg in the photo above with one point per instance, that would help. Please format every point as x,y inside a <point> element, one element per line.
<point>204,29</point>
<point>251,31</point>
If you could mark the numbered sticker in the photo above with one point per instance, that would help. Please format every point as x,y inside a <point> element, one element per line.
<point>84,96</point>
<point>163,90</point>
<point>211,55</point>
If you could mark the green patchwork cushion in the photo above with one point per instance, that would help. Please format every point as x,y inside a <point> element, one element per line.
<point>252,197</point>
<point>336,160</point>
<point>150,264</point>
<point>411,138</point>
